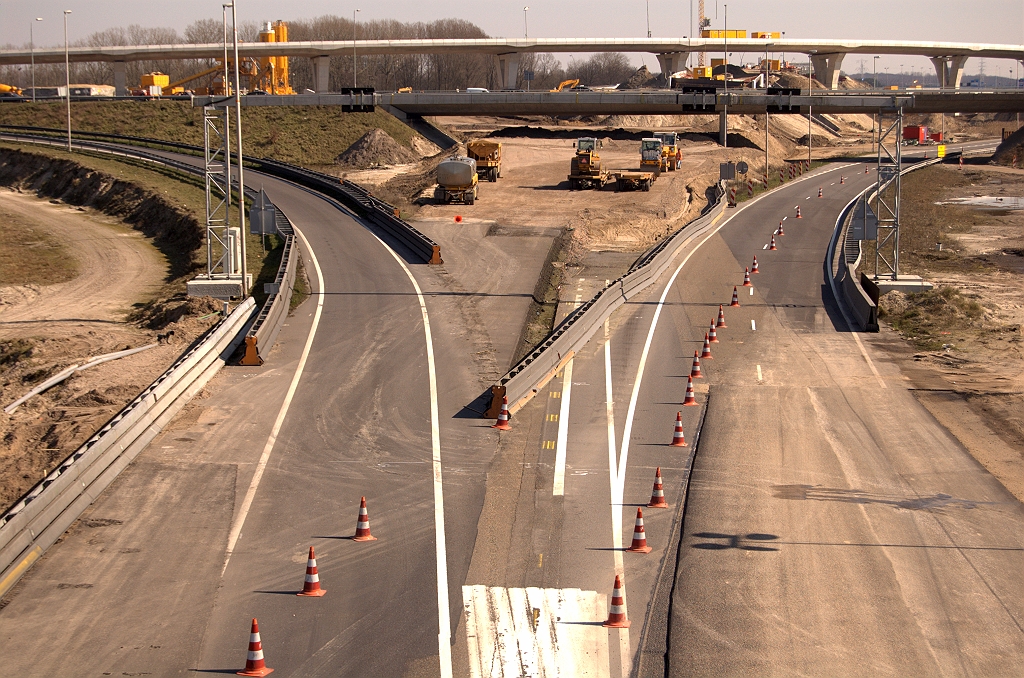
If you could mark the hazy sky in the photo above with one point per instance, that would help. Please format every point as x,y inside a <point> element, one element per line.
<point>997,21</point>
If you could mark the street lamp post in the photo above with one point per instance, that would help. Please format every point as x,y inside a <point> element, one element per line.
<point>648,18</point>
<point>526,22</point>
<point>67,76</point>
<point>238,144</point>
<point>354,84</point>
<point>874,83</point>
<point>32,51</point>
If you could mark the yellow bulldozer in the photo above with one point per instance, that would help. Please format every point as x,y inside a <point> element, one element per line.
<point>585,169</point>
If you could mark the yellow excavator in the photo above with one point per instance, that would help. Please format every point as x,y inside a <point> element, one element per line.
<point>566,83</point>
<point>9,89</point>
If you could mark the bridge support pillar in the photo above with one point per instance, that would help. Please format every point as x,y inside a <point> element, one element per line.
<point>672,62</point>
<point>507,66</point>
<point>321,74</point>
<point>950,70</point>
<point>826,69</point>
<point>120,79</point>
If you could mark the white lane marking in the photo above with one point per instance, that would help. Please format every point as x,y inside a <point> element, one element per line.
<point>503,639</point>
<point>753,325</point>
<point>871,364</point>
<point>261,465</point>
<point>614,469</point>
<point>765,246</point>
<point>563,431</point>
<point>443,616</point>
<point>784,218</point>
<point>751,291</point>
<point>759,373</point>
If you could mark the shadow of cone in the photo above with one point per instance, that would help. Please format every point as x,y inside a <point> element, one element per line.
<point>254,664</point>
<point>363,524</point>
<point>311,587</point>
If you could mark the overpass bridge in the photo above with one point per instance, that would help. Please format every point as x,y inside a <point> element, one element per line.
<point>655,102</point>
<point>826,56</point>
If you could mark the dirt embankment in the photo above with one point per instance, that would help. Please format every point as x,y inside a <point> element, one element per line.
<point>962,343</point>
<point>123,252</point>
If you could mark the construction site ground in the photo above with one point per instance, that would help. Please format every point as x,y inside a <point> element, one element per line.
<point>45,328</point>
<point>962,345</point>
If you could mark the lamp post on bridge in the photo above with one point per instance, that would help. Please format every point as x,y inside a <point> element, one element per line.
<point>526,22</point>
<point>67,76</point>
<point>32,52</point>
<point>354,25</point>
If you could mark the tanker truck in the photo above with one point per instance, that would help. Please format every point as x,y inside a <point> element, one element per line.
<point>456,181</point>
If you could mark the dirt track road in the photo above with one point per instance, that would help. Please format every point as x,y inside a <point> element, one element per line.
<point>118,268</point>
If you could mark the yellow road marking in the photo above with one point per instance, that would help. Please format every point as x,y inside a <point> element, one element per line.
<point>19,570</point>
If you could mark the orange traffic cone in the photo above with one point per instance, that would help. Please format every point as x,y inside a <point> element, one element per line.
<point>753,268</point>
<point>842,179</point>
<point>746,277</point>
<point>735,297</point>
<point>695,370</point>
<point>712,334</point>
<point>798,212</point>
<point>771,245</point>
<point>363,524</point>
<point>781,232</point>
<point>705,352</point>
<point>254,664</point>
<point>639,544</point>
<point>866,168</point>
<point>658,494</point>
<point>502,423</point>
<point>819,192</point>
<point>721,316</point>
<point>689,400</point>
<point>617,611</point>
<point>677,435</point>
<point>311,587</point>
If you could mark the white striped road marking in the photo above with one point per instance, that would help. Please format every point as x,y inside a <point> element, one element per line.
<point>765,246</point>
<point>261,465</point>
<point>631,409</point>
<point>616,487</point>
<point>784,218</point>
<point>759,373</point>
<point>443,617</point>
<point>504,642</point>
<point>871,364</point>
<point>751,291</point>
<point>753,325</point>
<point>563,431</point>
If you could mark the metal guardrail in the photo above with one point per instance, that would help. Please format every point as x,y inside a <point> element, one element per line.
<point>268,323</point>
<point>853,296</point>
<point>350,194</point>
<point>530,374</point>
<point>34,523</point>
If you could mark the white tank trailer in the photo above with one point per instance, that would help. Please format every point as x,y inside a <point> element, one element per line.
<point>456,181</point>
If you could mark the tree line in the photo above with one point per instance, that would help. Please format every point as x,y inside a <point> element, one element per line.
<point>386,72</point>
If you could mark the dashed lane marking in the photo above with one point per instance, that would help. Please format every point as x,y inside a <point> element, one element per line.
<point>759,373</point>
<point>562,441</point>
<point>261,465</point>
<point>753,325</point>
<point>548,445</point>
<point>552,417</point>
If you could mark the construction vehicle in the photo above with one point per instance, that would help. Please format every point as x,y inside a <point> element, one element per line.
<point>268,74</point>
<point>9,89</point>
<point>456,181</point>
<point>585,170</point>
<point>650,155</point>
<point>631,180</point>
<point>488,158</point>
<point>566,83</point>
<point>669,146</point>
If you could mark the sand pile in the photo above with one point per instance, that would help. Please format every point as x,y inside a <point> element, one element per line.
<point>376,147</point>
<point>1011,150</point>
<point>642,78</point>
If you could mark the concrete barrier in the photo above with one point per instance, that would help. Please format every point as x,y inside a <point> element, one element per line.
<point>530,374</point>
<point>34,523</point>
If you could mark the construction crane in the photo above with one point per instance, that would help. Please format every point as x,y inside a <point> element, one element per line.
<point>704,23</point>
